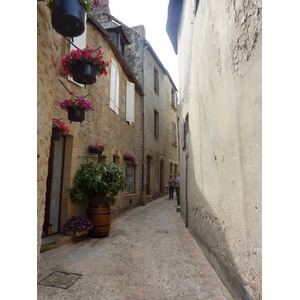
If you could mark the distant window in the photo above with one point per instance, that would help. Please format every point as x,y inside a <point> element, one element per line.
<point>173,134</point>
<point>156,81</point>
<point>130,177</point>
<point>173,96</point>
<point>156,122</point>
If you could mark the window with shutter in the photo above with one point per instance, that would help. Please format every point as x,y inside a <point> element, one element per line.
<point>156,122</point>
<point>173,134</point>
<point>80,42</point>
<point>130,101</point>
<point>114,86</point>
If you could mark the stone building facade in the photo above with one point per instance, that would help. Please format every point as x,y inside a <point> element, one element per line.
<point>160,106</point>
<point>58,162</point>
<point>220,55</point>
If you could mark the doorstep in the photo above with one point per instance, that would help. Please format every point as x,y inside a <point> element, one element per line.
<point>54,241</point>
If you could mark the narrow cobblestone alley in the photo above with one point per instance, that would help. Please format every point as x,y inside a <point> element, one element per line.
<point>149,254</point>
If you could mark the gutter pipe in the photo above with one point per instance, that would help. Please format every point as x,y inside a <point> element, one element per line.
<point>143,115</point>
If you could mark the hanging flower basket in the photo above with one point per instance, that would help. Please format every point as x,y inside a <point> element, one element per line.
<point>56,135</point>
<point>128,156</point>
<point>58,127</point>
<point>68,16</point>
<point>85,65</point>
<point>76,114</point>
<point>84,72</point>
<point>76,107</point>
<point>96,149</point>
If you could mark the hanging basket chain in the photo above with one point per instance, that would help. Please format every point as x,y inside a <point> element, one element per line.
<point>76,46</point>
<point>67,88</point>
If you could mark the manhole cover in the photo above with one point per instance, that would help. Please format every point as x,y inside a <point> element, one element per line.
<point>61,280</point>
<point>162,231</point>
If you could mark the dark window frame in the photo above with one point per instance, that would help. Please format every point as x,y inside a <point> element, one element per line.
<point>156,124</point>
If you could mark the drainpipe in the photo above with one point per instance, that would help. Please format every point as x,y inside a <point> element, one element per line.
<point>143,116</point>
<point>186,180</point>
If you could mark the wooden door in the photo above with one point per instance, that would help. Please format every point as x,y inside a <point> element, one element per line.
<point>54,187</point>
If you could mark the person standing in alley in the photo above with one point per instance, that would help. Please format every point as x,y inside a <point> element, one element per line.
<point>171,186</point>
<point>178,180</point>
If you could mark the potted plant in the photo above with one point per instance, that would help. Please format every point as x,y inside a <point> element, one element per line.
<point>98,185</point>
<point>77,226</point>
<point>84,65</point>
<point>76,107</point>
<point>128,156</point>
<point>68,16</point>
<point>97,149</point>
<point>58,127</point>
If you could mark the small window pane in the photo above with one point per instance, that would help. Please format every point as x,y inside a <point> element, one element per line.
<point>129,176</point>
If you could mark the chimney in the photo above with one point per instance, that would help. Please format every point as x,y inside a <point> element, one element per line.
<point>102,8</point>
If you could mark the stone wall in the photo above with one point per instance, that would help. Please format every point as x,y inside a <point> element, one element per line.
<point>220,89</point>
<point>103,126</point>
<point>161,148</point>
<point>48,50</point>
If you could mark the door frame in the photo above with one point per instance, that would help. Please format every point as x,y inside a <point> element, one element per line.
<point>49,187</point>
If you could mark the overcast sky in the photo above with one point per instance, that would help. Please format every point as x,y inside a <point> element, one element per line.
<point>153,15</point>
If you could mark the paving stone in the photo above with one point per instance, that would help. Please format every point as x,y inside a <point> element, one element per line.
<point>149,254</point>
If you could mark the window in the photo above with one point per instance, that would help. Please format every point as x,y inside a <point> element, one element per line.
<point>173,134</point>
<point>156,81</point>
<point>114,87</point>
<point>172,97</point>
<point>130,101</point>
<point>130,177</point>
<point>156,124</point>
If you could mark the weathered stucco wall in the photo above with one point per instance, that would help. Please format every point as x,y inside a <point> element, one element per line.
<point>220,88</point>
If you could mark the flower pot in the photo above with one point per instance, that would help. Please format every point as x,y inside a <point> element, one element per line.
<point>101,218</point>
<point>76,114</point>
<point>68,17</point>
<point>56,134</point>
<point>95,151</point>
<point>76,232</point>
<point>84,72</point>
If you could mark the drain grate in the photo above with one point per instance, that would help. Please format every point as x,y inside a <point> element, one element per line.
<point>60,280</point>
<point>162,231</point>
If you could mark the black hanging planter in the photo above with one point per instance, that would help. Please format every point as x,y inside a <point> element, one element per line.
<point>68,17</point>
<point>84,72</point>
<point>76,114</point>
<point>56,134</point>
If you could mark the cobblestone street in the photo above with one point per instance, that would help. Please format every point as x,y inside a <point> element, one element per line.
<point>149,254</point>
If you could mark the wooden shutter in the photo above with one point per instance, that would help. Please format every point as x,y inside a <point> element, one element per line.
<point>130,101</point>
<point>114,87</point>
<point>80,42</point>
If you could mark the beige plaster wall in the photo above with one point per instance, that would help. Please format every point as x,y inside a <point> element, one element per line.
<point>220,88</point>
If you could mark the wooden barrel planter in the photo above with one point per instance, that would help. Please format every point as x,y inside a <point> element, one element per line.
<point>76,114</point>
<point>84,72</point>
<point>101,218</point>
<point>68,17</point>
<point>56,134</point>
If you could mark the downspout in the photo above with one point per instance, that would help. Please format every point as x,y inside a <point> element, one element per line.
<point>143,159</point>
<point>186,180</point>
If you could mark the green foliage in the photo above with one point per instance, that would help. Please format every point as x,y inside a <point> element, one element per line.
<point>93,180</point>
